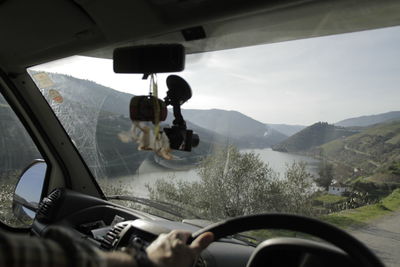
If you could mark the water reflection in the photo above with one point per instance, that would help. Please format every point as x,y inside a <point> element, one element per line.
<point>149,172</point>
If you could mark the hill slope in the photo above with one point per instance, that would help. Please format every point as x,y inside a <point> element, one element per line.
<point>374,149</point>
<point>239,128</point>
<point>312,136</point>
<point>370,120</point>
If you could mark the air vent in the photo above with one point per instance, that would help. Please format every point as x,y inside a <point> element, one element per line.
<point>48,206</point>
<point>111,239</point>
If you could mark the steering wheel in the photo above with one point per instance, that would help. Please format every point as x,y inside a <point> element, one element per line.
<point>356,251</point>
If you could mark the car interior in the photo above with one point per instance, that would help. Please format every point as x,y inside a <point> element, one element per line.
<point>59,188</point>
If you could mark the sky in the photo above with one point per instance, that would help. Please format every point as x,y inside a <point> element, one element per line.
<point>297,82</point>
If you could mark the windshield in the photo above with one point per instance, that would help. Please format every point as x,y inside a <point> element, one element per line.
<point>308,127</point>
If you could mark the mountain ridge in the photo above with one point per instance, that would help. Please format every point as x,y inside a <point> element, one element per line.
<point>312,136</point>
<point>369,120</point>
<point>372,150</point>
<point>236,126</point>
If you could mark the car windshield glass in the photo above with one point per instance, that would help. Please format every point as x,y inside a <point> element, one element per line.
<point>309,126</point>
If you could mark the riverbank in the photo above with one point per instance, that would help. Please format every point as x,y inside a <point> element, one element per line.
<point>377,226</point>
<point>359,217</point>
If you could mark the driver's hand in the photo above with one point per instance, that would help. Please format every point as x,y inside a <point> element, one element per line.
<point>171,249</point>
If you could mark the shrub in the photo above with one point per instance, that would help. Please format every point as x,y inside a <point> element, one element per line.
<point>233,183</point>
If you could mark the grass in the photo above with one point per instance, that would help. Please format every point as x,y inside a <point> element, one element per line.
<point>392,202</point>
<point>330,199</point>
<point>394,140</point>
<point>333,147</point>
<point>383,177</point>
<point>344,219</point>
<point>360,216</point>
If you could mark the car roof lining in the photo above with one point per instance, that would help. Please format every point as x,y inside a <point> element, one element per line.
<point>44,31</point>
<point>279,24</point>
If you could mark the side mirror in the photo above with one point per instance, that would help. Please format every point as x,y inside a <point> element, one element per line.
<point>29,190</point>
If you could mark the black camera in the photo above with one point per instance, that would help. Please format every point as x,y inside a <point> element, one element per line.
<point>181,139</point>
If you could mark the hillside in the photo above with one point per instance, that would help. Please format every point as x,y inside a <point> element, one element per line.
<point>312,136</point>
<point>370,120</point>
<point>240,129</point>
<point>286,129</point>
<point>374,151</point>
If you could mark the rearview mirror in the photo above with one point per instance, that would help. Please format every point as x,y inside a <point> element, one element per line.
<point>149,59</point>
<point>29,190</point>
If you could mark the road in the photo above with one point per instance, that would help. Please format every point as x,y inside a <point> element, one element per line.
<point>356,151</point>
<point>362,153</point>
<point>383,237</point>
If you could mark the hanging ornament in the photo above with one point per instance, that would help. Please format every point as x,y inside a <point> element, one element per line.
<point>146,113</point>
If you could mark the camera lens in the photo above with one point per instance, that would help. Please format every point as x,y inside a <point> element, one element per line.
<point>195,140</point>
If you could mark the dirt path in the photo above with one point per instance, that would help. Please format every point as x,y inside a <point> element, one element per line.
<point>383,237</point>
<point>362,153</point>
<point>356,151</point>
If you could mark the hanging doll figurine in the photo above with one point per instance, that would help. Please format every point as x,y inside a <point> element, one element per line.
<point>146,112</point>
<point>147,140</point>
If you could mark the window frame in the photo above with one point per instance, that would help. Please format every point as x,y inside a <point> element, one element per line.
<point>6,89</point>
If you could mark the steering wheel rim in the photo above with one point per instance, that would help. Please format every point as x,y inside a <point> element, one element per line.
<point>332,234</point>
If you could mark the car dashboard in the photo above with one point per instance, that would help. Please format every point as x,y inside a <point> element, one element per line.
<point>111,227</point>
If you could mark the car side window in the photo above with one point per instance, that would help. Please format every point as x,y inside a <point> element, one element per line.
<point>17,151</point>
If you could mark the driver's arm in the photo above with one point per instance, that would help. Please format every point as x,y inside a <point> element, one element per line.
<point>171,249</point>
<point>59,248</point>
<point>168,250</point>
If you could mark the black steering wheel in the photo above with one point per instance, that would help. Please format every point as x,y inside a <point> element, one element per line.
<point>356,251</point>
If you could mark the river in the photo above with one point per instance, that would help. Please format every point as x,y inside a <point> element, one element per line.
<point>149,172</point>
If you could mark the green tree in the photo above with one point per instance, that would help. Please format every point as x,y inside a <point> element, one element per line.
<point>326,174</point>
<point>233,183</point>
<point>298,184</point>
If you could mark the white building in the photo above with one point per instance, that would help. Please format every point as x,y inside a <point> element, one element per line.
<point>337,189</point>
